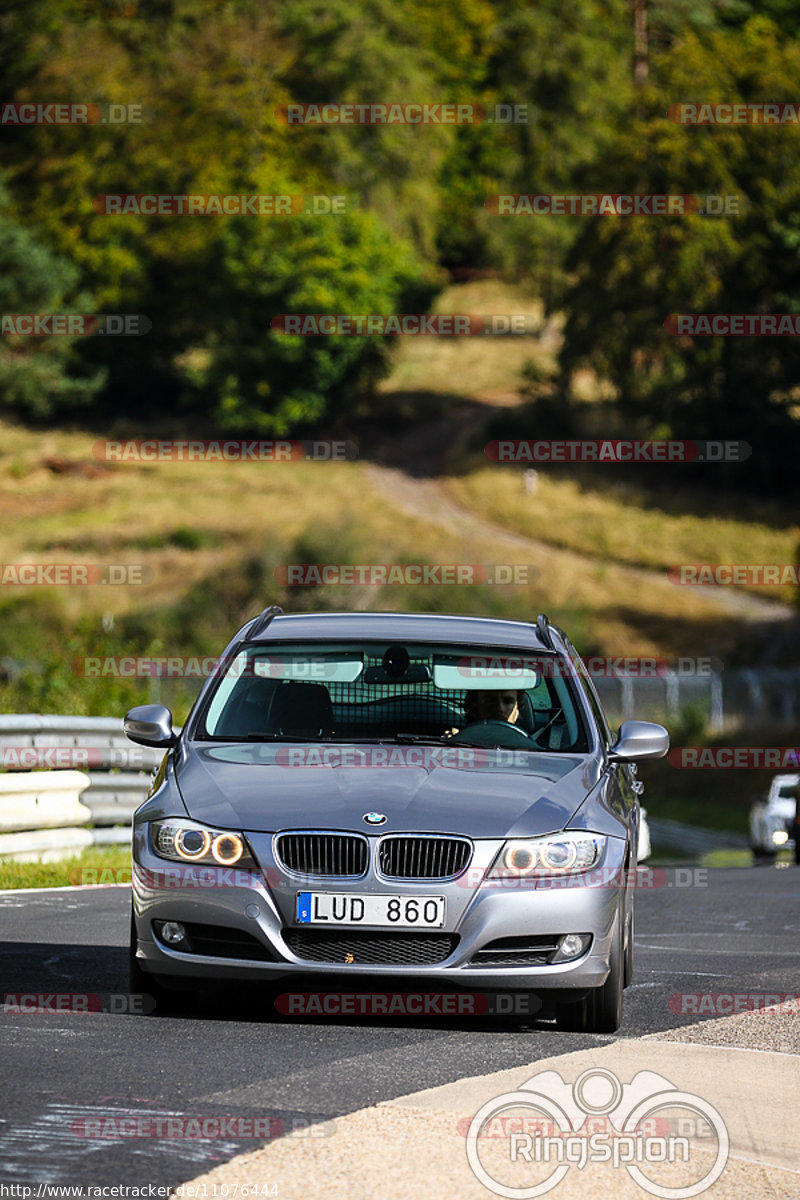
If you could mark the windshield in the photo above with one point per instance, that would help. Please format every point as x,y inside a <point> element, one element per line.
<point>343,691</point>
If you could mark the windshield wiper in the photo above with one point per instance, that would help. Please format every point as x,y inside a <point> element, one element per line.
<point>261,737</point>
<point>432,739</point>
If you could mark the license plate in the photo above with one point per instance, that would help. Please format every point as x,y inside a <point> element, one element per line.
<point>345,908</point>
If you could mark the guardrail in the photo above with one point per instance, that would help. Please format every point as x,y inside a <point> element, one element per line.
<point>692,840</point>
<point>40,814</point>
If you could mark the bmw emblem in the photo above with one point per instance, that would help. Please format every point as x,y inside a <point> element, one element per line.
<point>374,818</point>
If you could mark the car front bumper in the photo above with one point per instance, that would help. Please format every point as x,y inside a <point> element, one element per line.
<point>479,912</point>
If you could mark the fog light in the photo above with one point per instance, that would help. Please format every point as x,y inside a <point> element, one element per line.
<point>172,932</point>
<point>572,946</point>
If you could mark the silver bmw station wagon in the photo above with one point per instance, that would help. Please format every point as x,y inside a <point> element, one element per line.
<point>375,796</point>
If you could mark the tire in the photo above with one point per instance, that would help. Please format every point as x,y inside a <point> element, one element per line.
<point>601,1009</point>
<point>627,971</point>
<point>161,994</point>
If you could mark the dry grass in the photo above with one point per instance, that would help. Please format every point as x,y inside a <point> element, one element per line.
<point>488,367</point>
<point>610,524</point>
<point>129,513</point>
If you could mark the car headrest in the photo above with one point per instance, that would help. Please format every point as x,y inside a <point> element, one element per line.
<point>302,708</point>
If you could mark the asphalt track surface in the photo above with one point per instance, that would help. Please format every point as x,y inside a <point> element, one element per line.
<point>63,1075</point>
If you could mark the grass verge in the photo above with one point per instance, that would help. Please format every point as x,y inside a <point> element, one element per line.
<point>111,864</point>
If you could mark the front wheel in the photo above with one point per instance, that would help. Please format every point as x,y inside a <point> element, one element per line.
<point>601,1009</point>
<point>140,982</point>
<point>627,979</point>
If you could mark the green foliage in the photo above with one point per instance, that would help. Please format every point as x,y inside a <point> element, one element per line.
<point>38,375</point>
<point>630,273</point>
<point>210,78</point>
<point>251,377</point>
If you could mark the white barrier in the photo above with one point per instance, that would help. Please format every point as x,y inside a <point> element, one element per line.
<point>98,742</point>
<point>42,800</point>
<point>44,845</point>
<point>113,797</point>
<point>41,814</point>
<point>119,772</point>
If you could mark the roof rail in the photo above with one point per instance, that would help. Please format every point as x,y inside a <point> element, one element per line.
<point>543,628</point>
<point>262,620</point>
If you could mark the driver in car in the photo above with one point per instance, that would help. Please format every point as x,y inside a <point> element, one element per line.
<point>489,706</point>
<point>492,706</point>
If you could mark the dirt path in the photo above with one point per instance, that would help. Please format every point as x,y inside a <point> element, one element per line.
<point>429,499</point>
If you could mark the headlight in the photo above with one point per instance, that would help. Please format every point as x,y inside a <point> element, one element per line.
<point>184,841</point>
<point>563,854</point>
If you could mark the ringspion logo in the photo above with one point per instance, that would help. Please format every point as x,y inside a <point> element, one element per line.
<point>549,1125</point>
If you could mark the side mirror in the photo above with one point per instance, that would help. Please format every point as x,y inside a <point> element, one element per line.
<point>637,740</point>
<point>150,725</point>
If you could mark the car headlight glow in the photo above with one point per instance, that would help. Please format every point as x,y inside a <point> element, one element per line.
<point>186,841</point>
<point>561,854</point>
<point>519,857</point>
<point>193,843</point>
<point>227,849</point>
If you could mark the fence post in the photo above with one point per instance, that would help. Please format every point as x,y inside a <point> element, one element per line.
<point>716,716</point>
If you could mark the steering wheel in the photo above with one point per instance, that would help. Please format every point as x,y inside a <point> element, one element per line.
<point>472,731</point>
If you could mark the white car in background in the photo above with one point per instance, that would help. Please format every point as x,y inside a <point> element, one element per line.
<point>768,820</point>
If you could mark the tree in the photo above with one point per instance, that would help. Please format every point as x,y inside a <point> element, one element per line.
<point>39,376</point>
<point>630,273</point>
